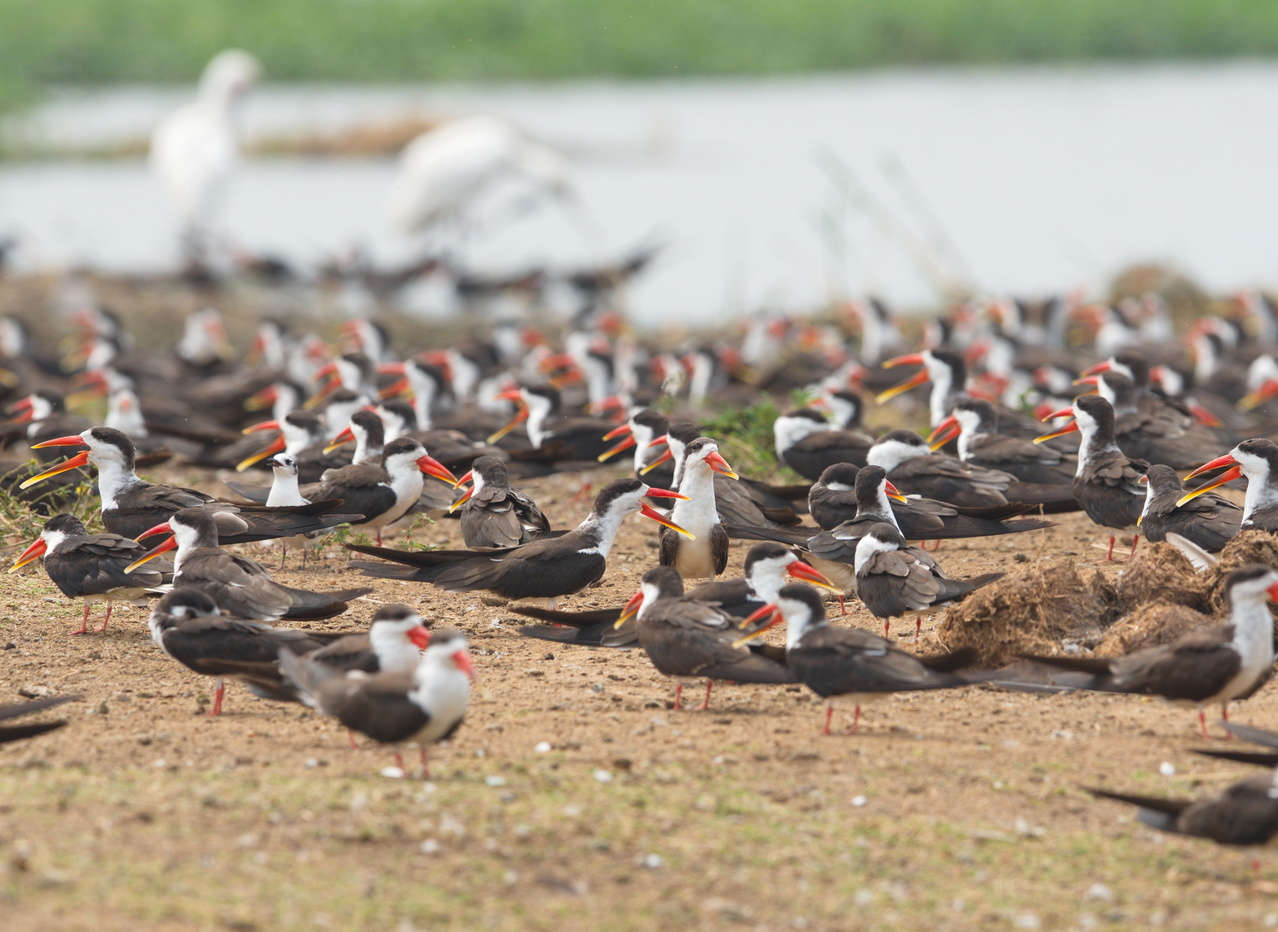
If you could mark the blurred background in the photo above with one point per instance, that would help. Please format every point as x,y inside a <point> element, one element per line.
<point>766,153</point>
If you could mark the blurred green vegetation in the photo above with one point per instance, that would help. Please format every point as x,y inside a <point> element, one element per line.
<point>96,41</point>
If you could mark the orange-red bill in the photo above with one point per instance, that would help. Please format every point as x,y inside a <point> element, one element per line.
<point>34,552</point>
<point>75,462</point>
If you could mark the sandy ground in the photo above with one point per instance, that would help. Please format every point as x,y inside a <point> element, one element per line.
<point>574,797</point>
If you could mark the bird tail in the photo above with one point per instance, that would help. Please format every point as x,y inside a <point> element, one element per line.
<point>313,606</point>
<point>304,675</point>
<point>791,537</point>
<point>1261,736</point>
<point>1154,811</point>
<point>1255,758</point>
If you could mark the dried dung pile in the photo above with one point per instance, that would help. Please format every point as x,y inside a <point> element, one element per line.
<point>1151,626</point>
<point>1248,547</point>
<point>1030,612</point>
<point>1158,573</point>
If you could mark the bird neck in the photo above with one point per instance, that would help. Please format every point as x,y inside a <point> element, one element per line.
<point>441,689</point>
<point>395,652</point>
<point>1253,631</point>
<point>1260,494</point>
<point>601,530</point>
<point>113,478</point>
<point>699,514</point>
<point>284,491</point>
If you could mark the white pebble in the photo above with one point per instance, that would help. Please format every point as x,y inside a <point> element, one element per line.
<point>603,776</point>
<point>858,801</point>
<point>429,846</point>
<point>542,747</point>
<point>1098,891</point>
<point>652,861</point>
<point>495,780</point>
<point>1166,769</point>
<point>393,773</point>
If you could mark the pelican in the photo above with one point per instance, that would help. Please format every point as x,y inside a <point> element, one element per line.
<point>193,150</point>
<point>444,170</point>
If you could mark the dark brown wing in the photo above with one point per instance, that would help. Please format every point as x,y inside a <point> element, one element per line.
<point>1194,668</point>
<point>684,638</point>
<point>835,661</point>
<point>95,565</point>
<point>377,706</point>
<point>237,585</point>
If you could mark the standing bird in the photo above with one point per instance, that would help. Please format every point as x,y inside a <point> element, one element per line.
<point>238,586</point>
<point>1207,520</point>
<point>807,443</point>
<point>1257,460</point>
<point>1245,813</point>
<point>706,554</point>
<point>686,638</point>
<point>424,706</point>
<point>188,626</point>
<point>894,579</point>
<point>90,567</point>
<point>768,566</point>
<point>1106,482</point>
<point>493,514</point>
<point>848,661</point>
<point>1215,665</point>
<point>546,568</point>
<point>129,505</point>
<point>194,150</point>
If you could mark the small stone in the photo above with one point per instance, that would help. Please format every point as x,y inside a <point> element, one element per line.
<point>1167,769</point>
<point>392,773</point>
<point>429,846</point>
<point>495,780</point>
<point>652,861</point>
<point>1098,891</point>
<point>858,801</point>
<point>1027,921</point>
<point>542,747</point>
<point>603,776</point>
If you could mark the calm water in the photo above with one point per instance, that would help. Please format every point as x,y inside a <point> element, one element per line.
<point>1014,180</point>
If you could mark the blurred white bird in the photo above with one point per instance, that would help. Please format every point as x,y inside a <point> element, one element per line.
<point>443,171</point>
<point>194,149</point>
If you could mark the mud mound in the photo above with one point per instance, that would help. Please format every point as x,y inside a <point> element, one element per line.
<point>1031,612</point>
<point>1248,547</point>
<point>1158,573</point>
<point>1150,626</point>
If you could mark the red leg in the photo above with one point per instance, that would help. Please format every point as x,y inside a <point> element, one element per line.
<point>1135,541</point>
<point>918,627</point>
<point>283,555</point>
<point>706,702</point>
<point>856,719</point>
<point>843,609</point>
<point>1110,555</point>
<point>829,712</point>
<point>886,627</point>
<point>1202,722</point>
<point>399,760</point>
<point>84,622</point>
<point>1255,867</point>
<point>350,736</point>
<point>1224,717</point>
<point>379,537</point>
<point>106,619</point>
<point>218,692</point>
<point>425,764</point>
<point>938,545</point>
<point>678,703</point>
